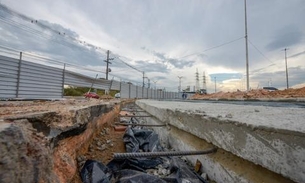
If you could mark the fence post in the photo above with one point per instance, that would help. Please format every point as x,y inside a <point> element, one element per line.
<point>63,81</point>
<point>143,92</point>
<point>18,75</point>
<point>156,94</point>
<point>137,91</point>
<point>120,87</point>
<point>129,91</point>
<point>147,93</point>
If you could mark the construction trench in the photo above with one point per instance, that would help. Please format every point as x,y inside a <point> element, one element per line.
<point>228,143</point>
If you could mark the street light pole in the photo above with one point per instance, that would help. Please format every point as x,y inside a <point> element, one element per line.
<point>286,67</point>
<point>179,89</point>
<point>246,39</point>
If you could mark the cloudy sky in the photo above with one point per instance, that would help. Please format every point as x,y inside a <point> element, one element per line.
<point>165,39</point>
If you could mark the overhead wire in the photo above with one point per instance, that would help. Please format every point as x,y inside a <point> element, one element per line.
<point>47,37</point>
<point>129,65</point>
<point>64,36</point>
<point>260,51</point>
<point>42,58</point>
<point>33,31</point>
<point>213,47</point>
<point>50,37</point>
<point>35,22</point>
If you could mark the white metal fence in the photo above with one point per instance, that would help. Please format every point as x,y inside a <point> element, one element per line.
<point>29,80</point>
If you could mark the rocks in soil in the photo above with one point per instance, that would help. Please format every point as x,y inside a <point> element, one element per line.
<point>81,160</point>
<point>99,143</point>
<point>102,148</point>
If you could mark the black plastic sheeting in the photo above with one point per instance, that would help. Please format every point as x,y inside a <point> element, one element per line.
<point>133,170</point>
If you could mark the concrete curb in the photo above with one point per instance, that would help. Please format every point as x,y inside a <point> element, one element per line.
<point>267,138</point>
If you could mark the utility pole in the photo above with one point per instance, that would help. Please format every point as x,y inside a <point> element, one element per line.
<point>180,77</point>
<point>148,83</point>
<point>286,67</point>
<point>197,81</point>
<point>143,78</point>
<point>203,81</point>
<point>215,83</point>
<point>107,66</point>
<point>246,39</point>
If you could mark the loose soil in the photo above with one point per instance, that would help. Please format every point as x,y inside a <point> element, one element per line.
<point>103,144</point>
<point>255,94</point>
<point>110,139</point>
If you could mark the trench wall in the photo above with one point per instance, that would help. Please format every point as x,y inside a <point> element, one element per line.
<point>32,151</point>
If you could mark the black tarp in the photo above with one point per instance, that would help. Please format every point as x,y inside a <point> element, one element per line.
<point>133,170</point>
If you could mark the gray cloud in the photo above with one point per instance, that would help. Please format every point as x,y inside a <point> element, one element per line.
<point>288,36</point>
<point>297,54</point>
<point>180,64</point>
<point>188,27</point>
<point>177,63</point>
<point>151,67</point>
<point>295,76</point>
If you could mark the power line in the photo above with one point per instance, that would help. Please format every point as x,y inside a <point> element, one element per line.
<point>32,31</point>
<point>211,48</point>
<point>129,65</point>
<point>42,34</point>
<point>260,51</point>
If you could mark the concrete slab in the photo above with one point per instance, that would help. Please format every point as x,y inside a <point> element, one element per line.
<point>273,137</point>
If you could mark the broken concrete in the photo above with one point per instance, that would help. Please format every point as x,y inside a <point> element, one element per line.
<point>43,146</point>
<point>272,137</point>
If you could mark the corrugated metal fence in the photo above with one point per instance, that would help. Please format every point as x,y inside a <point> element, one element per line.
<point>29,80</point>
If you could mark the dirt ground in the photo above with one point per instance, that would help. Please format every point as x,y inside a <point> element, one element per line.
<point>13,108</point>
<point>103,144</point>
<point>255,94</point>
<point>107,142</point>
<point>63,108</point>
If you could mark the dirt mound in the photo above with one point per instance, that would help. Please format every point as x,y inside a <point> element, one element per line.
<point>106,97</point>
<point>255,94</point>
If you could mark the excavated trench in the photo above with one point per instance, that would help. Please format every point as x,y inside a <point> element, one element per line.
<point>38,147</point>
<point>49,141</point>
